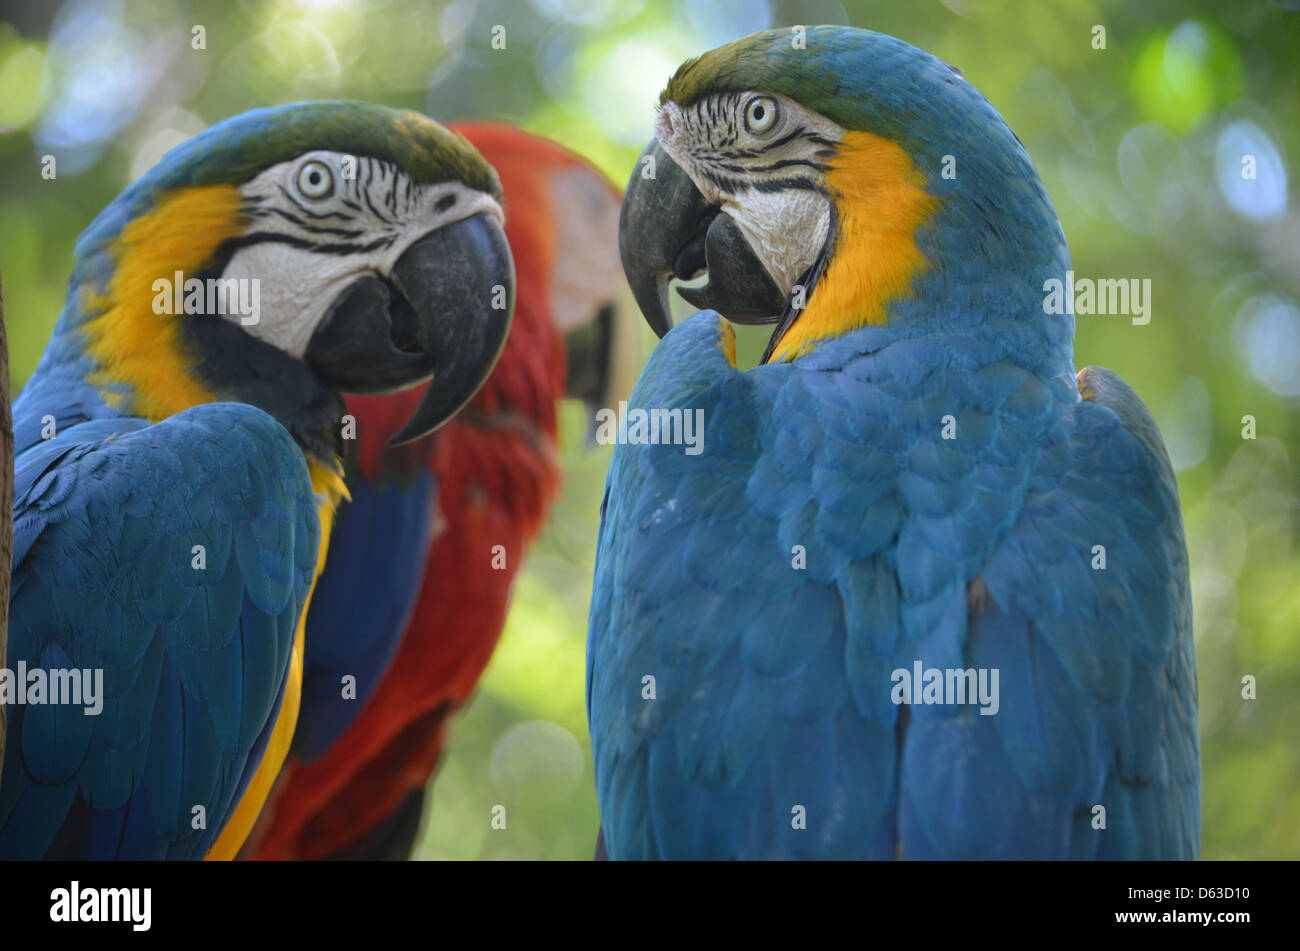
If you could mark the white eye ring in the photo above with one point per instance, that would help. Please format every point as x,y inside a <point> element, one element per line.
<point>315,180</point>
<point>760,115</point>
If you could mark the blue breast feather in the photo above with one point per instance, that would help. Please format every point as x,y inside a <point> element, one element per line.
<point>772,684</point>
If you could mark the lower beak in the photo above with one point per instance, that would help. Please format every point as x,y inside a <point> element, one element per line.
<point>667,229</point>
<point>443,312</point>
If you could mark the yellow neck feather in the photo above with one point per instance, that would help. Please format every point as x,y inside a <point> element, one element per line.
<point>881,201</point>
<point>133,346</point>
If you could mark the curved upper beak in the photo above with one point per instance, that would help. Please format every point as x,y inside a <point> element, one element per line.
<point>443,312</point>
<point>667,229</point>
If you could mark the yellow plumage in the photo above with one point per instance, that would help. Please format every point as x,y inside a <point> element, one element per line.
<point>881,201</point>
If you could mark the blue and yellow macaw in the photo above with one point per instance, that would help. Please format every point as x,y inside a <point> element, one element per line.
<point>177,454</point>
<point>913,480</point>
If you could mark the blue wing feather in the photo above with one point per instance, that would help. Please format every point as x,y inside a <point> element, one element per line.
<point>194,662</point>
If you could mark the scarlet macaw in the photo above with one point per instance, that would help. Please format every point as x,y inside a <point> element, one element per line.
<point>177,456</point>
<point>914,480</point>
<point>355,785</point>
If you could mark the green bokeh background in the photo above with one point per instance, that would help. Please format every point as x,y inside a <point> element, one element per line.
<point>1140,145</point>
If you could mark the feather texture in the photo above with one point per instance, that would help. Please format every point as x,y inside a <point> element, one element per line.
<point>108,516</point>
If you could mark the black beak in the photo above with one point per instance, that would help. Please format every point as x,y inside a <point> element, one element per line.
<point>667,229</point>
<point>444,311</point>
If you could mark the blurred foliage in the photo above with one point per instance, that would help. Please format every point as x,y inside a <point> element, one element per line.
<point>1140,145</point>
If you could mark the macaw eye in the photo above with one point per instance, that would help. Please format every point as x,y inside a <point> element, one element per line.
<point>315,180</point>
<point>760,115</point>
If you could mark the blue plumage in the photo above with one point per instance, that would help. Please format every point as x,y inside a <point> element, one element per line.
<point>106,519</point>
<point>772,684</point>
<point>830,533</point>
<point>365,594</point>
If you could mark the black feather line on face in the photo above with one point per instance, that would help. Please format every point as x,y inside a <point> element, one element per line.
<point>726,186</point>
<point>784,163</point>
<point>343,249</point>
<point>782,184</point>
<point>226,250</point>
<point>365,192</point>
<point>800,133</point>
<point>373,210</point>
<point>305,226</point>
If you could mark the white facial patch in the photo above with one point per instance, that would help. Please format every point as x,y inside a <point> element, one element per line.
<point>786,229</point>
<point>587,268</point>
<point>771,183</point>
<point>332,218</point>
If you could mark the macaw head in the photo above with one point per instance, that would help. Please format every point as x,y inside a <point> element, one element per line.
<point>829,179</point>
<point>292,254</point>
<point>575,331</point>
